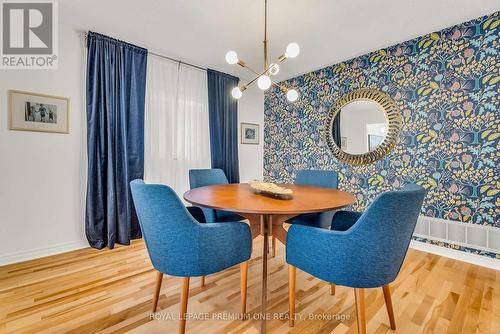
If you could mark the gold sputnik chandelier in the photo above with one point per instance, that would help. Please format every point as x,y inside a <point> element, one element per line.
<point>263,78</point>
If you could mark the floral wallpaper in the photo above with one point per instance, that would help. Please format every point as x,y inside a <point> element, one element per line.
<point>446,85</point>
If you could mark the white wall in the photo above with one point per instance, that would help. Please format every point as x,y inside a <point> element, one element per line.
<point>43,175</point>
<point>251,157</point>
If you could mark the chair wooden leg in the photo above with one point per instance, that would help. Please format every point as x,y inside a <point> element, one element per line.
<point>360,309</point>
<point>388,304</point>
<point>332,289</point>
<point>202,281</point>
<point>292,273</point>
<point>274,246</point>
<point>159,277</point>
<point>183,305</point>
<point>243,291</point>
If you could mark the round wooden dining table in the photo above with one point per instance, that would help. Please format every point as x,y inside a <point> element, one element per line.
<point>267,215</point>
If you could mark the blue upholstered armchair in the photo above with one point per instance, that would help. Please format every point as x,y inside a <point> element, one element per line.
<point>207,177</point>
<point>318,178</point>
<point>362,250</point>
<point>180,246</point>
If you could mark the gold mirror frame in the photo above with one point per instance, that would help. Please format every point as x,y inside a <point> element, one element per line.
<point>394,120</point>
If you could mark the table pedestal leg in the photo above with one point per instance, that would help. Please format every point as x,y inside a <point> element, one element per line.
<point>266,225</point>
<point>264,221</point>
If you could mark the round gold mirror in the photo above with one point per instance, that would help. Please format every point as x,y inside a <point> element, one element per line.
<point>363,126</point>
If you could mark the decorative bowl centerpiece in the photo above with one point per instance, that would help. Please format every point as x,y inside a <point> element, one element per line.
<point>270,190</point>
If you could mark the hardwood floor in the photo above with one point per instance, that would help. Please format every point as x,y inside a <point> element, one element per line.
<point>111,291</point>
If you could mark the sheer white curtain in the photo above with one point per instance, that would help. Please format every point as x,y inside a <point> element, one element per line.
<point>176,123</point>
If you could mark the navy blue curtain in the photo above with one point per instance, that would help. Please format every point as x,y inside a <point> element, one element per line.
<point>116,84</point>
<point>223,119</point>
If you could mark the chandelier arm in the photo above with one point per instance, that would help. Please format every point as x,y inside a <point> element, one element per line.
<point>283,88</point>
<point>252,81</point>
<point>259,74</point>
<point>282,58</point>
<point>251,69</point>
<point>244,65</point>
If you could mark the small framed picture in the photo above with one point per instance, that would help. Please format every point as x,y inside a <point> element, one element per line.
<point>249,133</point>
<point>38,112</point>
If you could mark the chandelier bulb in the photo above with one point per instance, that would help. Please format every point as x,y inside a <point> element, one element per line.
<point>292,50</point>
<point>231,57</point>
<point>292,95</point>
<point>236,92</point>
<point>274,69</point>
<point>264,82</point>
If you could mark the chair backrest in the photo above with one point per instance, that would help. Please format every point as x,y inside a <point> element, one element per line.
<point>167,227</point>
<point>384,232</point>
<point>318,178</point>
<point>206,177</point>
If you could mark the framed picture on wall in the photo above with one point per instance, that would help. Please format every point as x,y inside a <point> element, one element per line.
<point>38,112</point>
<point>249,133</point>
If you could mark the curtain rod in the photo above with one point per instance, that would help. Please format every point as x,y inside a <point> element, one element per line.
<point>159,55</point>
<point>177,60</point>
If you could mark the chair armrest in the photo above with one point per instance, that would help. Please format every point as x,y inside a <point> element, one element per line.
<point>305,239</point>
<point>344,220</point>
<point>327,254</point>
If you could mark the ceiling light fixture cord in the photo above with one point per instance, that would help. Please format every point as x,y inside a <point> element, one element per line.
<point>265,35</point>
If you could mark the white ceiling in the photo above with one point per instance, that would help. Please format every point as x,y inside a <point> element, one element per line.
<point>328,31</point>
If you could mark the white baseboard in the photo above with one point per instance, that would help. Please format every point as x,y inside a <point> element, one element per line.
<point>35,253</point>
<point>479,260</point>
